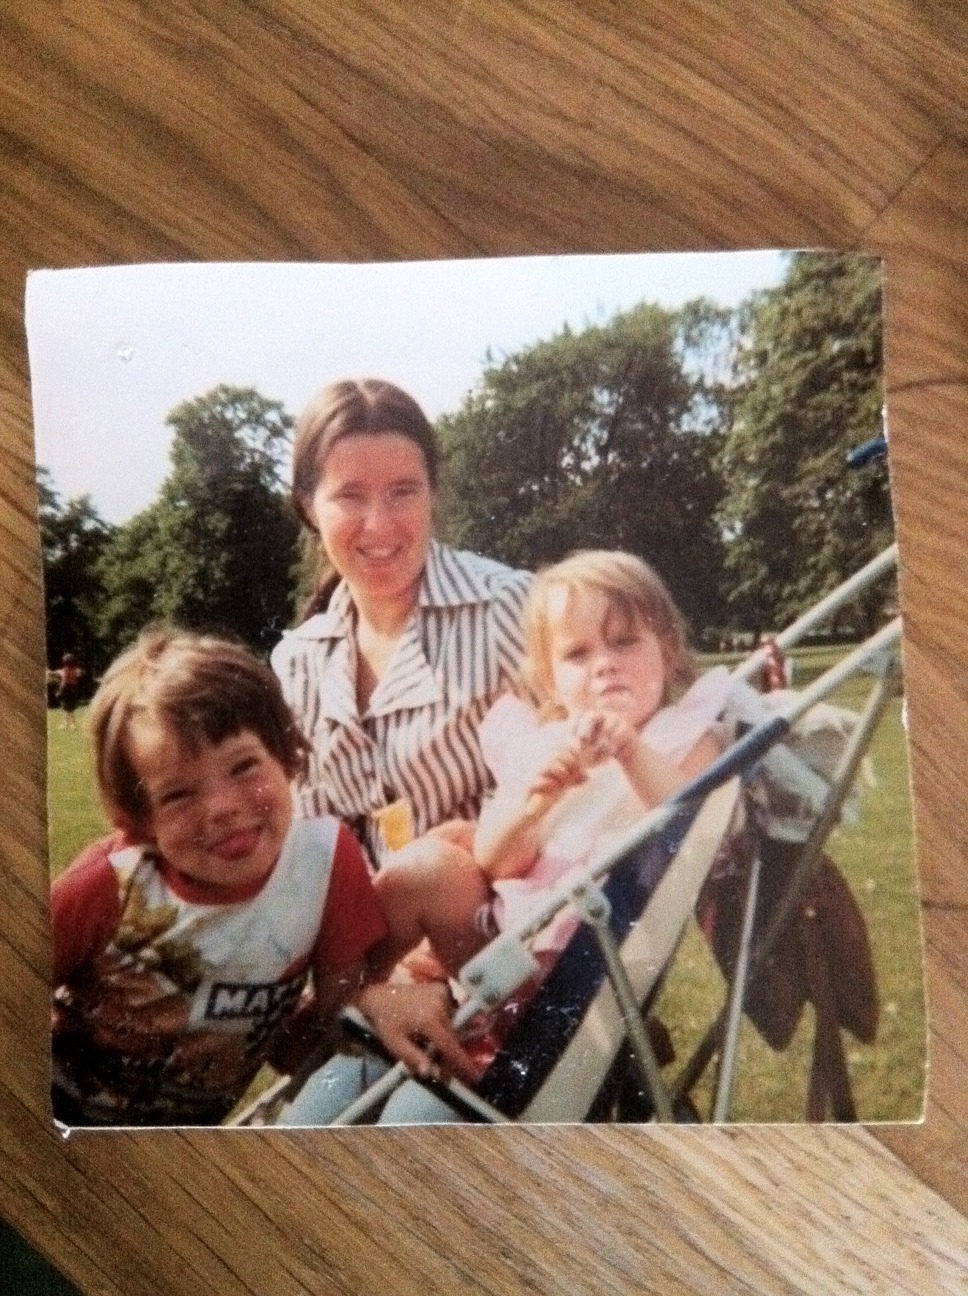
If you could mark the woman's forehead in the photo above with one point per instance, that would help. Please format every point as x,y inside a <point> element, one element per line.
<point>372,456</point>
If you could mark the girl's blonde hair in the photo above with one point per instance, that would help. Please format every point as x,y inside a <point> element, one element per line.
<point>632,589</point>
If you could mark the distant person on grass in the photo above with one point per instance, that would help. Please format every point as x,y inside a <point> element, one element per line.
<point>68,678</point>
<point>774,674</point>
<point>184,943</point>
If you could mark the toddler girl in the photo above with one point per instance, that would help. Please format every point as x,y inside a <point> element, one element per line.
<point>618,723</point>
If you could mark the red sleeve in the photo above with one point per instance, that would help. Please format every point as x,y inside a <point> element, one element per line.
<point>84,909</point>
<point>352,918</point>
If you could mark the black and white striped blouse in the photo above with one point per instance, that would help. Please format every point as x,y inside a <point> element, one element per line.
<point>417,739</point>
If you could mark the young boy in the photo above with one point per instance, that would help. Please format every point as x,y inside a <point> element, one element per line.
<point>183,943</point>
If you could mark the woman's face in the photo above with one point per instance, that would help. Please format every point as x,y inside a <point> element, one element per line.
<point>372,506</point>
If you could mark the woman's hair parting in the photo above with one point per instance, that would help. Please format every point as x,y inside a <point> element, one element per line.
<point>199,689</point>
<point>632,588</point>
<point>351,407</point>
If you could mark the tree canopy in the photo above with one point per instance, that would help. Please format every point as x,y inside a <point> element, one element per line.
<point>73,537</point>
<point>808,390</point>
<point>602,438</point>
<point>216,549</point>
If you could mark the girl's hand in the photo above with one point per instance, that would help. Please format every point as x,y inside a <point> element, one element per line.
<point>413,1021</point>
<point>604,735</point>
<point>567,770</point>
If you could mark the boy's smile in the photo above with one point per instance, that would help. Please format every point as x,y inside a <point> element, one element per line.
<point>217,815</point>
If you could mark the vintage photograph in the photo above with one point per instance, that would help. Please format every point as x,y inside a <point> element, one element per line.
<point>475,693</point>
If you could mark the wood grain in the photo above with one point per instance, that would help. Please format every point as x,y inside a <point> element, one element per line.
<point>289,129</point>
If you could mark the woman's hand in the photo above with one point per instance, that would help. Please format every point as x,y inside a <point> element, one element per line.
<point>413,1021</point>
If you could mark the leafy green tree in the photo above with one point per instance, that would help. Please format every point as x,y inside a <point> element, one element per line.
<point>808,391</point>
<point>73,537</point>
<point>600,438</point>
<point>215,550</point>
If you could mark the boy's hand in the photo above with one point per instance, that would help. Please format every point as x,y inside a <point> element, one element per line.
<point>411,1020</point>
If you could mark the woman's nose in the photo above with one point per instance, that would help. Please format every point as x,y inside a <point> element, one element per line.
<point>376,515</point>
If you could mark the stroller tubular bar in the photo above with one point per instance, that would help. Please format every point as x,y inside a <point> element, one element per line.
<point>823,610</point>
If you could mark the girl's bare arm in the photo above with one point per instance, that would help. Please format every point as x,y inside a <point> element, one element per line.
<point>510,829</point>
<point>655,777</point>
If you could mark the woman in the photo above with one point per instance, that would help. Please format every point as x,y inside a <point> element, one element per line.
<point>406,645</point>
<point>408,642</point>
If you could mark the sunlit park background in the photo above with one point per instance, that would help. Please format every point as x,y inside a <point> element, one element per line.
<point>711,440</point>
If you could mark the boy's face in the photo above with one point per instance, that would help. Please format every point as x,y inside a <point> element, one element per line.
<point>602,661</point>
<point>218,815</point>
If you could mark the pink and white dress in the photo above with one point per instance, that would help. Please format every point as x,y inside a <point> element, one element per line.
<point>587,820</point>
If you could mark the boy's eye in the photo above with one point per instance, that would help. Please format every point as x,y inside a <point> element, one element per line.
<point>245,765</point>
<point>172,797</point>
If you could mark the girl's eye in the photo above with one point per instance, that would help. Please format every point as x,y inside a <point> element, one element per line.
<point>245,766</point>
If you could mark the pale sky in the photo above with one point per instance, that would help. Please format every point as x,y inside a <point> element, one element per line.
<point>113,350</point>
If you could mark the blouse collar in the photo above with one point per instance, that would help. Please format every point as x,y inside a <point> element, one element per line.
<point>447,581</point>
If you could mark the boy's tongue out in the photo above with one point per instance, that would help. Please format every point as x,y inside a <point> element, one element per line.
<point>237,844</point>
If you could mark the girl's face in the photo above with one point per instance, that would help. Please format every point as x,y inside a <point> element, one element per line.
<point>218,815</point>
<point>602,661</point>
<point>373,506</point>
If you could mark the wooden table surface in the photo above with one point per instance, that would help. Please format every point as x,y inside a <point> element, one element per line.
<point>317,130</point>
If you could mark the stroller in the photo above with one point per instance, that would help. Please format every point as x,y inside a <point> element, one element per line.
<point>719,848</point>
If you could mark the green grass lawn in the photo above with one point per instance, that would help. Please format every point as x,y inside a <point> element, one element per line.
<point>74,815</point>
<point>875,855</point>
